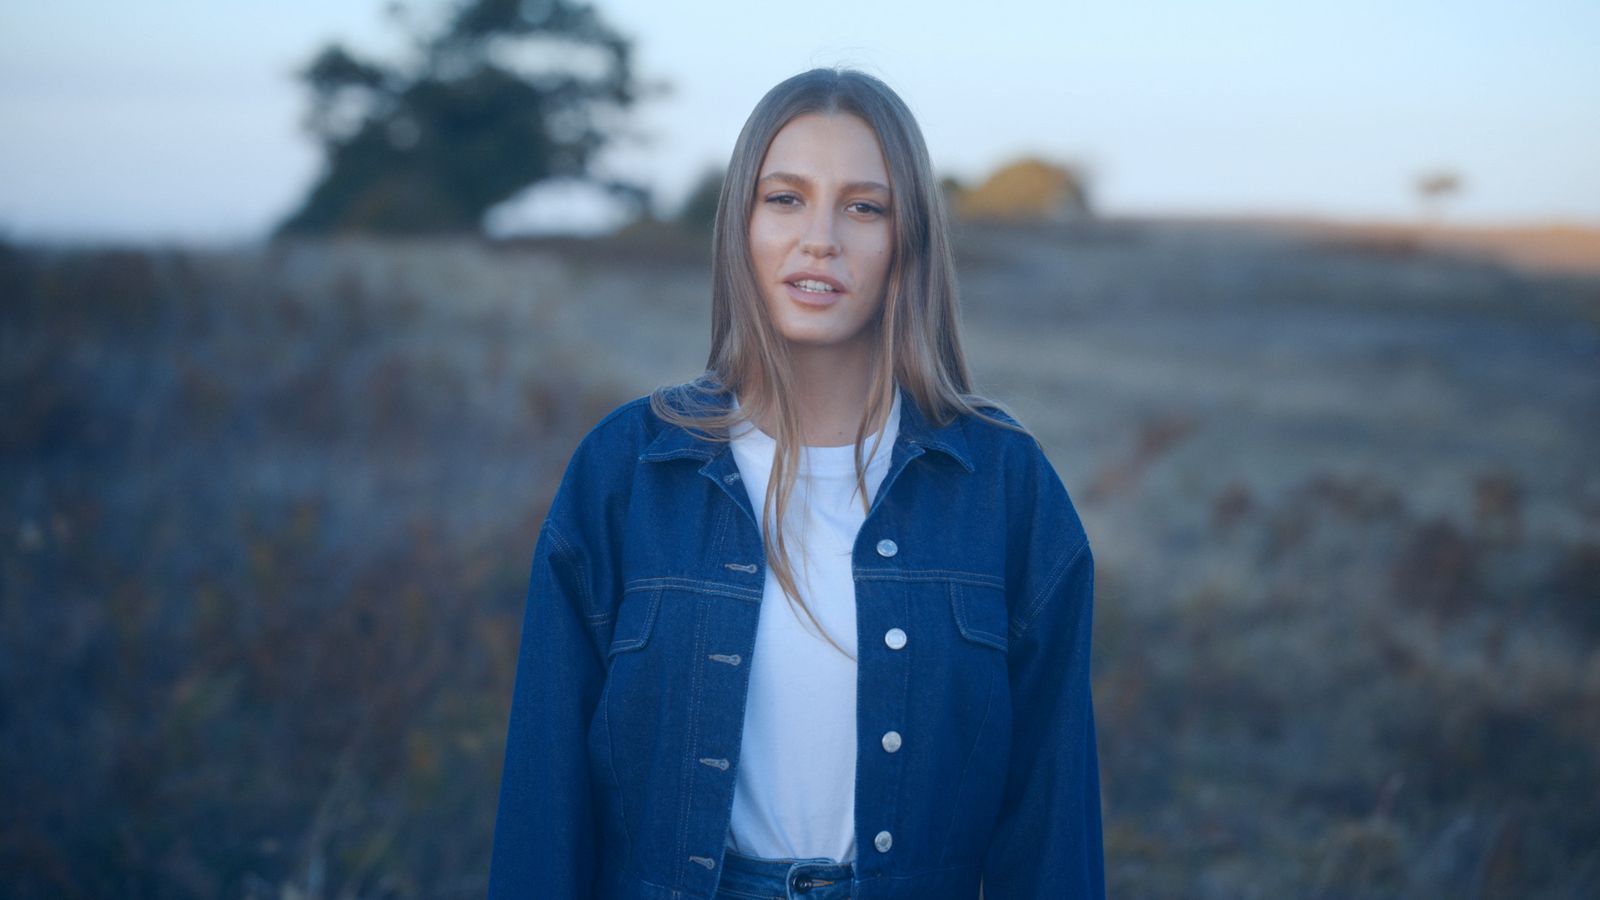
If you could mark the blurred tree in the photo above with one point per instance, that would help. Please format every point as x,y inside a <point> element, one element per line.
<point>1433,187</point>
<point>498,95</point>
<point>699,211</point>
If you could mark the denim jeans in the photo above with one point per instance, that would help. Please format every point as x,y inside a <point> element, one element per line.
<point>749,878</point>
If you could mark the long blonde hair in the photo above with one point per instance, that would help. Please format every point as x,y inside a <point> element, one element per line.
<point>917,342</point>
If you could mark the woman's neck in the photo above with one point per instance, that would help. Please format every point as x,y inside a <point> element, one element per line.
<point>830,389</point>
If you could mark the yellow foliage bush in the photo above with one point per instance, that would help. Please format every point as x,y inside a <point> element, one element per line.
<point>1027,190</point>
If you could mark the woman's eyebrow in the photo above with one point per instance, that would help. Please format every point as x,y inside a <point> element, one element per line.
<point>801,181</point>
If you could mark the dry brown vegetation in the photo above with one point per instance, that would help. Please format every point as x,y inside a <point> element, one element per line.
<point>1550,249</point>
<point>267,516</point>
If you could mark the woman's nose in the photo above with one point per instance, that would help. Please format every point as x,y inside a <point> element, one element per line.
<point>819,239</point>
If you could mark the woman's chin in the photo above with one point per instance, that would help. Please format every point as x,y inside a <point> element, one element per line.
<point>821,338</point>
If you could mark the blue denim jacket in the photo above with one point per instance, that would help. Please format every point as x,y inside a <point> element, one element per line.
<point>974,584</point>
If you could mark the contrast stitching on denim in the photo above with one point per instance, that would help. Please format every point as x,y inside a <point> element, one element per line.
<point>688,584</point>
<point>738,716</point>
<point>690,773</point>
<point>651,612</point>
<point>1018,626</point>
<point>976,635</point>
<point>569,553</point>
<point>955,812</point>
<point>949,450</point>
<point>974,578</point>
<point>611,764</point>
<point>720,529</point>
<point>680,453</point>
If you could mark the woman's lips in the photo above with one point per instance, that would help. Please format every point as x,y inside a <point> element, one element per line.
<point>817,299</point>
<point>815,292</point>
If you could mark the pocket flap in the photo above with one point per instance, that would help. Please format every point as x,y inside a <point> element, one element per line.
<point>636,617</point>
<point>981,614</point>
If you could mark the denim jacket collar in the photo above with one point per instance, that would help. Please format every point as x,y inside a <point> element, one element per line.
<point>916,434</point>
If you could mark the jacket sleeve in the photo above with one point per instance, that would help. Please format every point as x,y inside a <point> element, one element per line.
<point>546,841</point>
<point>1047,839</point>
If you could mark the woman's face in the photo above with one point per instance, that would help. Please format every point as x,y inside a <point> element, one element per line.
<point>821,233</point>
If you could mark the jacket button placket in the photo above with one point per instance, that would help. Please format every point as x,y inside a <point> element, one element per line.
<point>894,666</point>
<point>722,676</point>
<point>725,641</point>
<point>895,640</point>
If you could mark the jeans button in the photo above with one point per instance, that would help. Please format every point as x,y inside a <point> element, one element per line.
<point>802,883</point>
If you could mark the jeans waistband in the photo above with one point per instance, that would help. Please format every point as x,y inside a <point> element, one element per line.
<point>799,875</point>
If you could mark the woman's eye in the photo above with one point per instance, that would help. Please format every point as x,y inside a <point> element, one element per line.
<point>865,208</point>
<point>783,199</point>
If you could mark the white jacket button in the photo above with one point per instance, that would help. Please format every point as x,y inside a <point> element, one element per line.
<point>883,841</point>
<point>895,638</point>
<point>887,548</point>
<point>891,741</point>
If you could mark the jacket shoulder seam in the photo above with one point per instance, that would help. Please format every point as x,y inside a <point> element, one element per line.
<point>568,556</point>
<point>1036,603</point>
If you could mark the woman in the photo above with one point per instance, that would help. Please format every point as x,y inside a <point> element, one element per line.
<point>816,623</point>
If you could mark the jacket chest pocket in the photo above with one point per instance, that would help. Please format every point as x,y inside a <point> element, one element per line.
<point>974,711</point>
<point>980,614</point>
<point>631,709</point>
<point>953,650</point>
<point>636,618</point>
<point>972,672</point>
<point>676,669</point>
<point>635,661</point>
<point>641,708</point>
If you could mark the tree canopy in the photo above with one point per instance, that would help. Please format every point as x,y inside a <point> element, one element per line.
<point>496,96</point>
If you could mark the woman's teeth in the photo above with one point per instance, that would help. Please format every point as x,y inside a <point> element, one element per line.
<point>815,287</point>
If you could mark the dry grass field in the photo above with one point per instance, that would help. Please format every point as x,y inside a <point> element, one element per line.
<point>1552,249</point>
<point>265,519</point>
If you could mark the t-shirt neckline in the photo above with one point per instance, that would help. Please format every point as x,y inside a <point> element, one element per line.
<point>827,460</point>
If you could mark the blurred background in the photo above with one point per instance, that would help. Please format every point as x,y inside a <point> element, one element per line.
<point>304,306</point>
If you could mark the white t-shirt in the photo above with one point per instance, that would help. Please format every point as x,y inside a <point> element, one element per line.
<point>794,794</point>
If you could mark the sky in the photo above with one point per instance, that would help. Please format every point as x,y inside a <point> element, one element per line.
<point>181,119</point>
